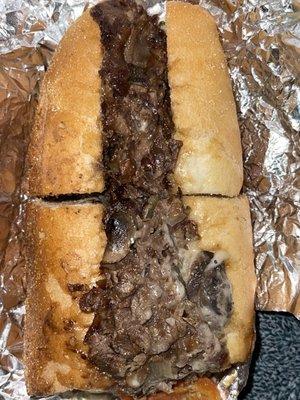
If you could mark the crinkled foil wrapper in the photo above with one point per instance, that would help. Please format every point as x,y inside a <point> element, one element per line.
<point>261,39</point>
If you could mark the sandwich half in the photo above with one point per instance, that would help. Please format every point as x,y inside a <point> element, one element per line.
<point>66,242</point>
<point>68,128</point>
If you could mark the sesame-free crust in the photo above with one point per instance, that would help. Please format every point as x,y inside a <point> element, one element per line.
<point>65,150</point>
<point>204,112</point>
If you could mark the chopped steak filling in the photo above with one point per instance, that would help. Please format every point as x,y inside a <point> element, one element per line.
<point>162,305</point>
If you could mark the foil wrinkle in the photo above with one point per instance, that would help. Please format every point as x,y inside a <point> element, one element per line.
<point>261,39</point>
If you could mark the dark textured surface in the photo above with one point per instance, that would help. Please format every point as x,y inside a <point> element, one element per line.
<point>162,304</point>
<point>275,369</point>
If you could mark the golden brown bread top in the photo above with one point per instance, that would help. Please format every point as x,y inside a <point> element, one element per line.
<point>204,112</point>
<point>65,150</point>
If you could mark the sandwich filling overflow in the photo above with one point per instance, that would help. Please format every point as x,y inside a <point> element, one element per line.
<point>161,304</point>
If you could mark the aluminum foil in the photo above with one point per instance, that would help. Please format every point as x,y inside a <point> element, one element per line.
<point>261,39</point>
<point>262,43</point>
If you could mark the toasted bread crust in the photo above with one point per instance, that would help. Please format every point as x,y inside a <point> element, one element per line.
<point>65,150</point>
<point>65,244</point>
<point>204,112</point>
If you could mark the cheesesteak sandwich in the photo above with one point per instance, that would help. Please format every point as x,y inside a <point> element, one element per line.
<point>140,282</point>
